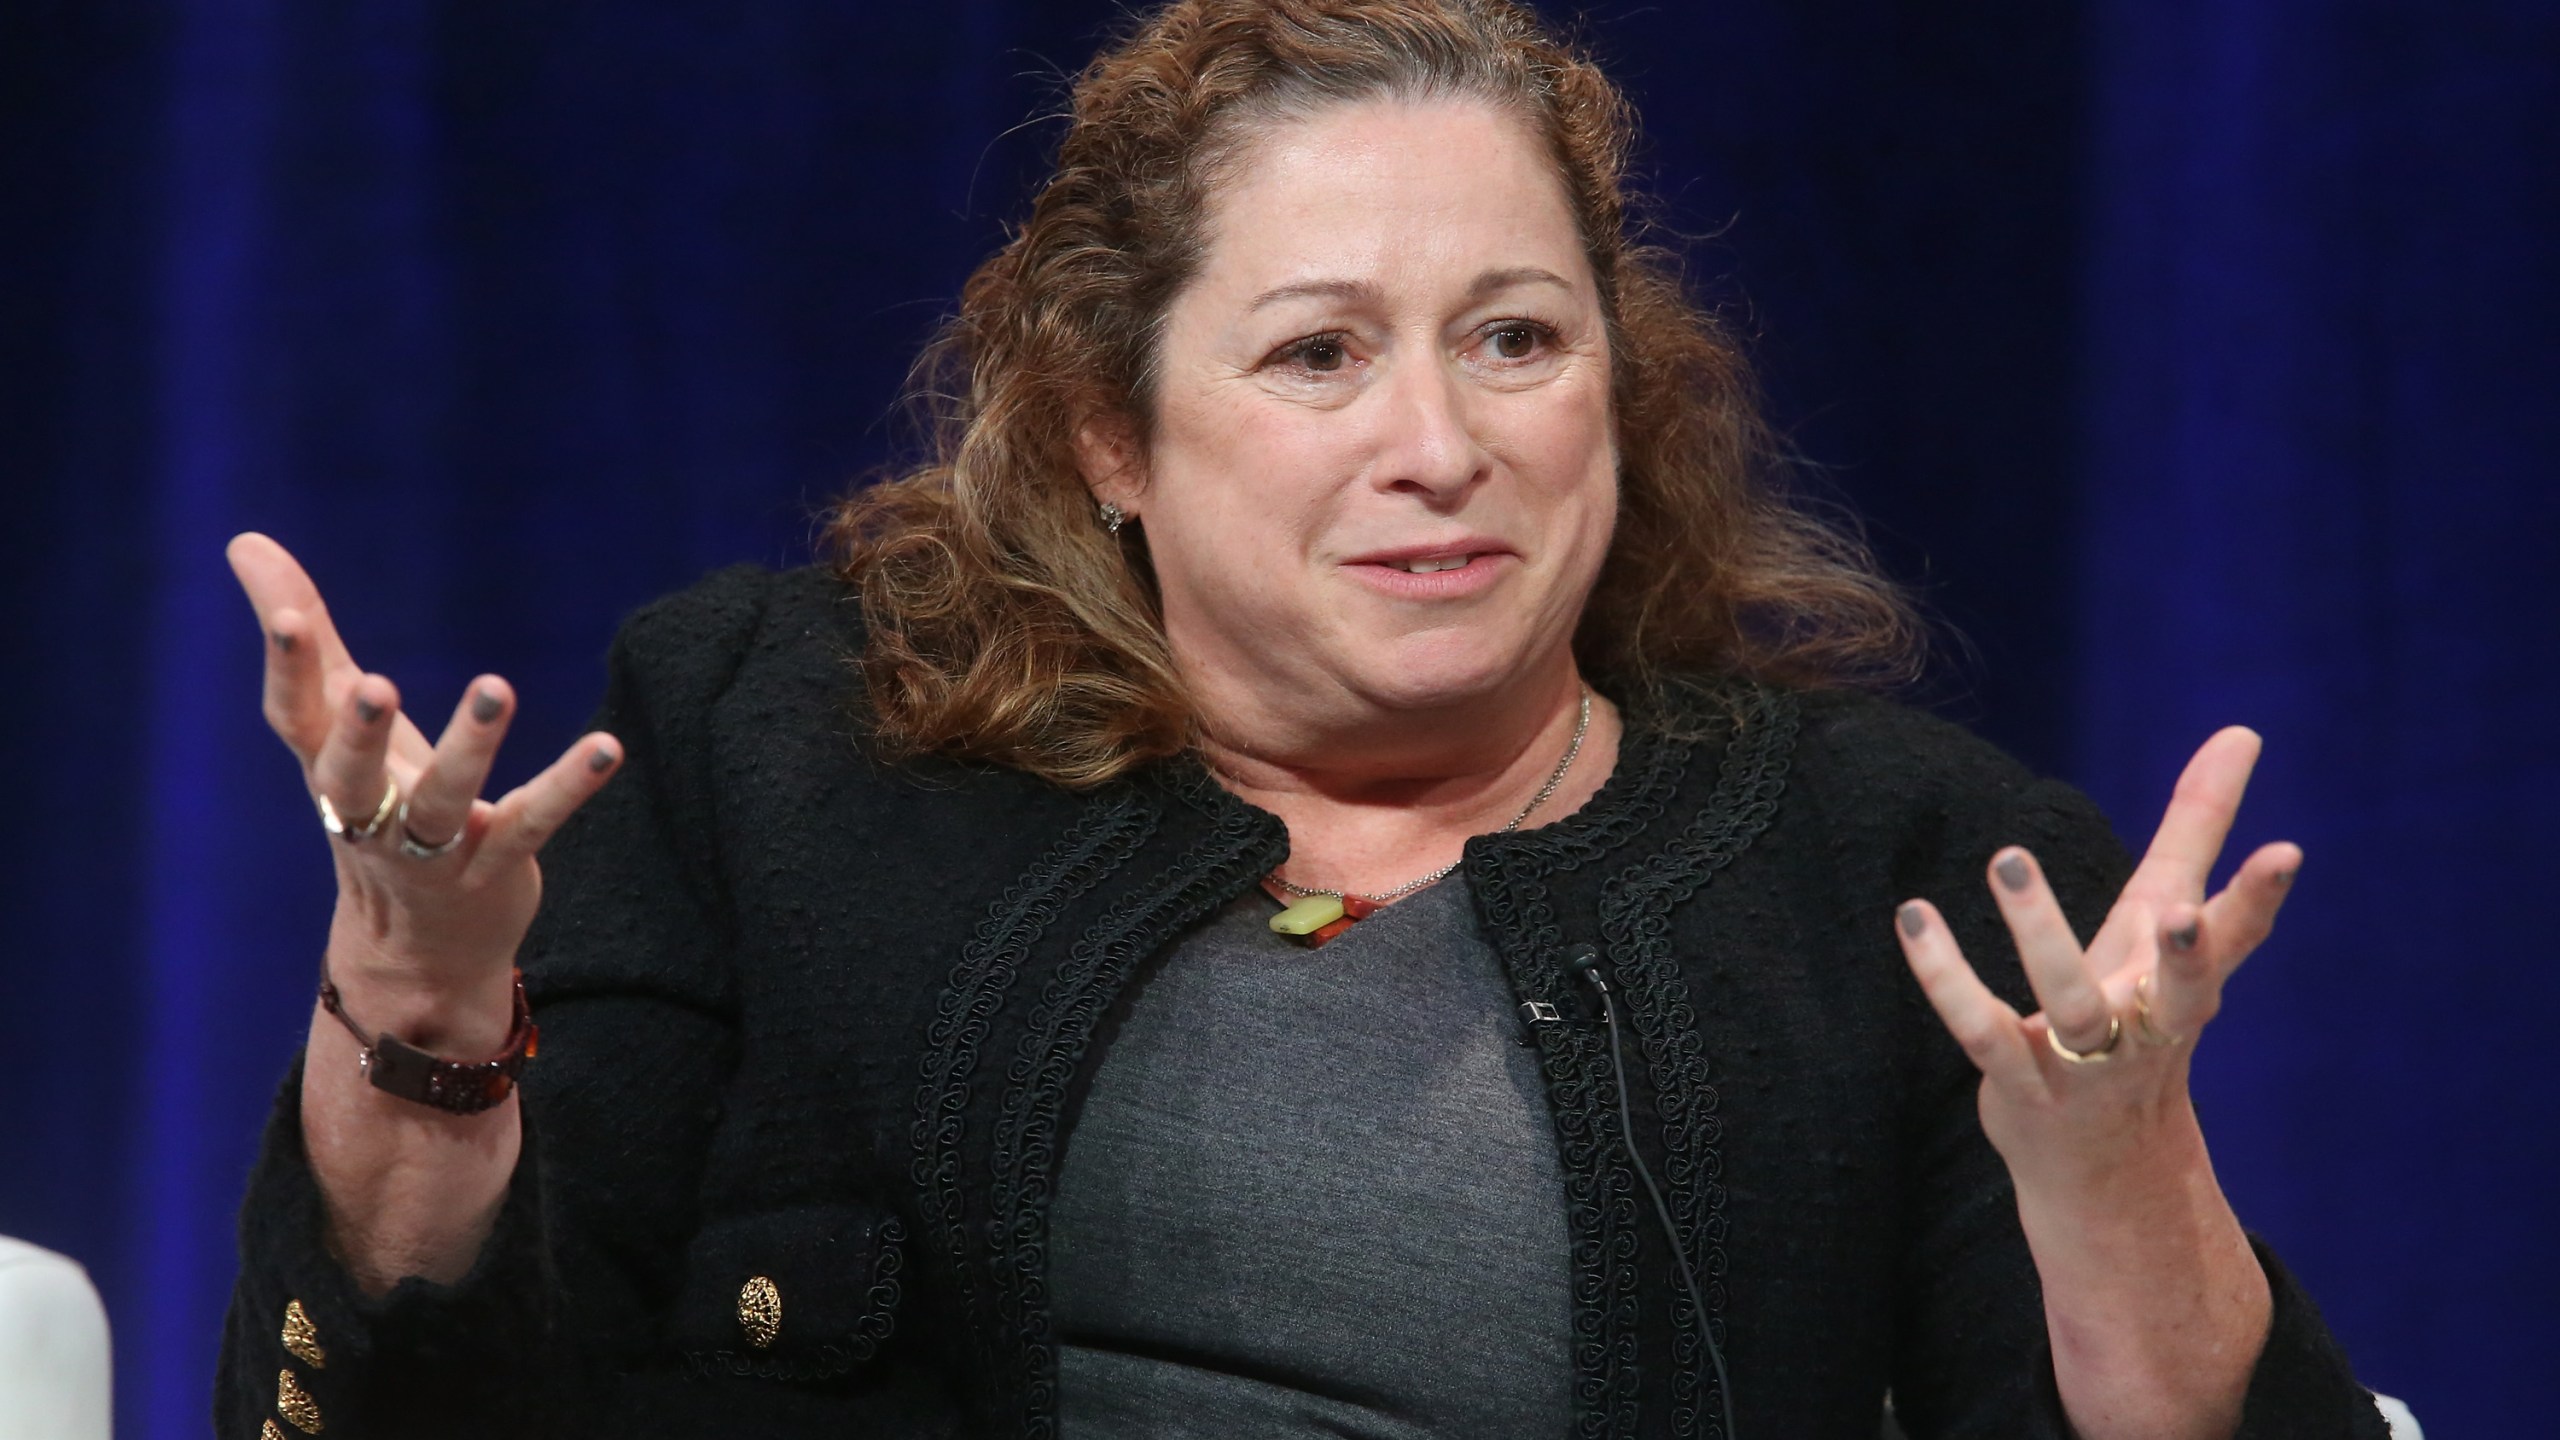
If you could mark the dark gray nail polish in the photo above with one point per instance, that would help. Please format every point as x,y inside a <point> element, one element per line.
<point>601,761</point>
<point>2183,938</point>
<point>367,711</point>
<point>2012,871</point>
<point>1913,921</point>
<point>284,642</point>
<point>485,706</point>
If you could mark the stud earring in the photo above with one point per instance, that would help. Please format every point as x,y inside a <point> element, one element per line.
<point>1113,517</point>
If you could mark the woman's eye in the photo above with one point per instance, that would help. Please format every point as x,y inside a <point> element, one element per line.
<point>1323,354</point>
<point>1516,341</point>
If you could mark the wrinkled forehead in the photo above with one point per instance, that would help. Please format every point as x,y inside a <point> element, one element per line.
<point>1388,189</point>
<point>1226,150</point>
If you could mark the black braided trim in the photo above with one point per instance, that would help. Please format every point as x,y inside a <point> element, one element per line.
<point>1105,834</point>
<point>880,1317</point>
<point>833,1360</point>
<point>1244,844</point>
<point>1635,924</point>
<point>1510,878</point>
<point>1649,771</point>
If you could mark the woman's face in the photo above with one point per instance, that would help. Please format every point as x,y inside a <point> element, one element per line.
<point>1383,471</point>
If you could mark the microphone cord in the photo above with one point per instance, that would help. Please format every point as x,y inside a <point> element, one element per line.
<point>1586,963</point>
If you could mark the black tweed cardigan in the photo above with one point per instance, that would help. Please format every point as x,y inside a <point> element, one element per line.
<point>814,1033</point>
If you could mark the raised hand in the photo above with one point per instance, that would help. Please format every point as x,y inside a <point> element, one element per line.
<point>435,884</point>
<point>436,887</point>
<point>2132,1003</point>
<point>2155,1305</point>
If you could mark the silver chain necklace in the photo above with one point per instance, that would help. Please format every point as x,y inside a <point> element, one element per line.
<point>1581,725</point>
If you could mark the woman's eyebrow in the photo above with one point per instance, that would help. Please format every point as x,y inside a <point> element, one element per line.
<point>1356,291</point>
<point>1363,292</point>
<point>1493,282</point>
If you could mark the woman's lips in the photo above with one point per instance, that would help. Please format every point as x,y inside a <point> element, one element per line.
<point>1441,580</point>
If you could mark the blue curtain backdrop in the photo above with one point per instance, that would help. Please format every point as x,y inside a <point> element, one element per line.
<point>2193,354</point>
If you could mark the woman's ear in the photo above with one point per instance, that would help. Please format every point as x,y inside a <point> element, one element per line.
<point>1107,454</point>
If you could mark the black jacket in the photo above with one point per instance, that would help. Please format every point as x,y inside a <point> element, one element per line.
<point>813,1019</point>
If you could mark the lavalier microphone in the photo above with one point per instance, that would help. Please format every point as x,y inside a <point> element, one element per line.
<point>1584,961</point>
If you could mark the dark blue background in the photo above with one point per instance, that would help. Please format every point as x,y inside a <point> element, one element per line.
<point>2191,353</point>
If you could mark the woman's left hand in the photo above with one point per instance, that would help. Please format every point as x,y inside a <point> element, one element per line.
<point>2153,1300</point>
<point>2131,1003</point>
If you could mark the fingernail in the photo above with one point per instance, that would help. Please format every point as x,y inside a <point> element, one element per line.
<point>2012,871</point>
<point>2183,938</point>
<point>284,642</point>
<point>600,761</point>
<point>2284,879</point>
<point>485,706</point>
<point>1913,920</point>
<point>367,711</point>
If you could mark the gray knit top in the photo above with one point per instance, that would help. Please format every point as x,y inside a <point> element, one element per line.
<point>1315,1193</point>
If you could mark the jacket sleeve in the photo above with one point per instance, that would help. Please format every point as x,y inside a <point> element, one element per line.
<point>628,968</point>
<point>1975,1360</point>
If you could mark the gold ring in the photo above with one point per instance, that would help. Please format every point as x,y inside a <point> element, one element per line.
<point>2115,1032</point>
<point>331,821</point>
<point>2142,1014</point>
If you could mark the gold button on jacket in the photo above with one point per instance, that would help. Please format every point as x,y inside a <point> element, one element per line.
<point>296,1405</point>
<point>760,1311</point>
<point>302,1338</point>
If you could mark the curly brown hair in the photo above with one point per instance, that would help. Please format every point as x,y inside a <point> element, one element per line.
<point>1005,625</point>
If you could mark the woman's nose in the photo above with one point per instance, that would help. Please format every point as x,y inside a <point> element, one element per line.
<point>1428,442</point>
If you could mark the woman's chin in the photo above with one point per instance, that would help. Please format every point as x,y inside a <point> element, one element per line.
<point>1440,676</point>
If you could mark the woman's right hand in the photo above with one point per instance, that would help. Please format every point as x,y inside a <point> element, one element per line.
<point>436,936</point>
<point>422,946</point>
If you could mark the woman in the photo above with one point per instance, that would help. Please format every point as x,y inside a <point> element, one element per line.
<point>1342,530</point>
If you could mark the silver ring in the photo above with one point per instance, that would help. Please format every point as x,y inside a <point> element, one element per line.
<point>336,825</point>
<point>416,849</point>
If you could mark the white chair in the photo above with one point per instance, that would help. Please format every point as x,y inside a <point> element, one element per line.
<point>54,1361</point>
<point>2404,1426</point>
